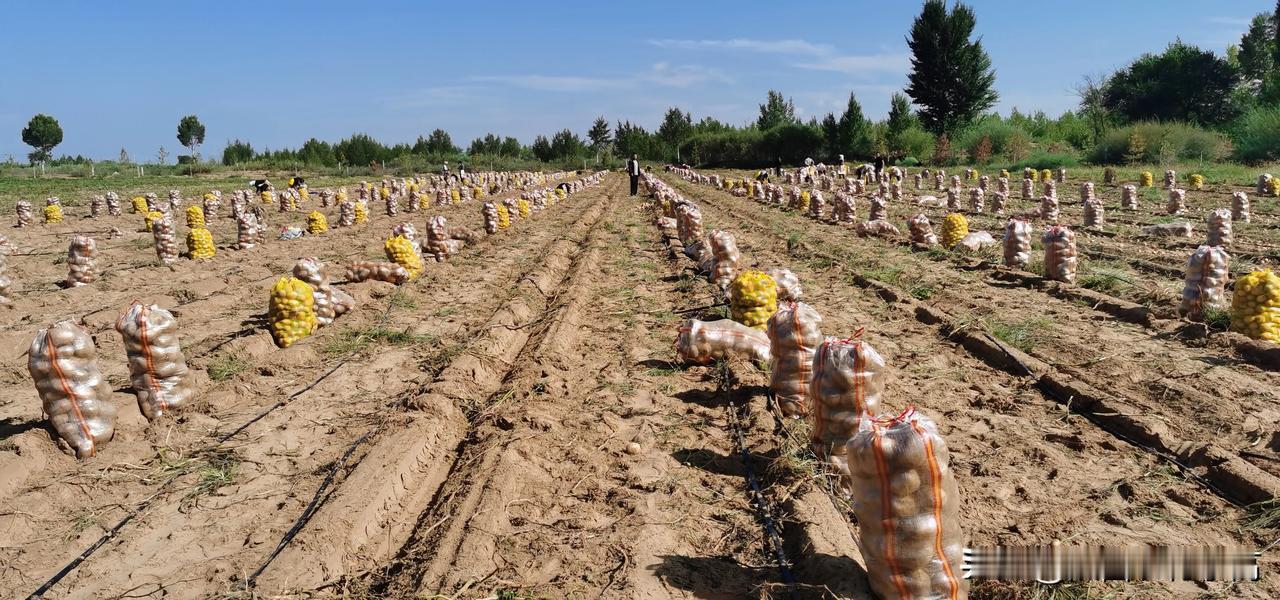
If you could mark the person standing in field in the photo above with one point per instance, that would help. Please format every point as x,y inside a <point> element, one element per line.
<point>633,171</point>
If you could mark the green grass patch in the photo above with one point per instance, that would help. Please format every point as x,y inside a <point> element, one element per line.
<point>350,341</point>
<point>923,291</point>
<point>1217,319</point>
<point>225,366</point>
<point>889,274</point>
<point>402,300</point>
<point>1023,335</point>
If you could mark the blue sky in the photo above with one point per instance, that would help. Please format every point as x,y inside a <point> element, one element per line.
<point>276,73</point>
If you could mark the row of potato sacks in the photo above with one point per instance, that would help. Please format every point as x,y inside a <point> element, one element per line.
<point>895,468</point>
<point>301,303</point>
<point>63,364</point>
<point>1254,309</point>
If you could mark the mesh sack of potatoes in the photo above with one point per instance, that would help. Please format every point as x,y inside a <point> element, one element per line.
<point>96,204</point>
<point>998,202</point>
<point>702,342</point>
<point>195,217</point>
<point>291,311</point>
<point>753,298</point>
<point>200,243</point>
<point>877,209</point>
<point>317,223</point>
<point>794,335</point>
<point>1240,207</point>
<point>360,214</point>
<point>817,204</point>
<point>490,213</point>
<point>210,204</point>
<point>1049,208</point>
<point>113,204</point>
<point>82,257</point>
<point>378,271</point>
<point>977,200</point>
<point>404,253</point>
<point>843,208</point>
<point>787,282</point>
<point>1129,197</point>
<point>24,214</point>
<point>437,242</point>
<point>329,302</point>
<point>157,368</point>
<point>725,251</point>
<point>1182,229</point>
<point>1177,202</point>
<point>954,228</point>
<point>1094,213</point>
<point>406,230</point>
<point>166,241</point>
<point>953,199</point>
<point>1028,189</point>
<point>1205,285</point>
<point>908,508</point>
<point>246,230</point>
<point>1060,254</point>
<point>877,227</point>
<point>1170,179</point>
<point>1017,243</point>
<point>73,393</point>
<point>1219,228</point>
<point>921,230</point>
<point>52,214</point>
<point>848,378</point>
<point>1255,306</point>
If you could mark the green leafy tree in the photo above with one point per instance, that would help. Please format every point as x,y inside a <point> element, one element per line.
<point>855,131</point>
<point>900,116</point>
<point>1275,34</point>
<point>237,152</point>
<point>317,152</point>
<point>1256,49</point>
<point>542,148</point>
<point>567,144</point>
<point>191,135</point>
<point>359,150</point>
<point>632,139</point>
<point>435,144</point>
<point>1183,83</point>
<point>951,77</point>
<point>510,147</point>
<point>599,133</point>
<point>776,111</point>
<point>42,133</point>
<point>676,127</point>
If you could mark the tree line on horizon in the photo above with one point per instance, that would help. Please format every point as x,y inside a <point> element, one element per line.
<point>1184,103</point>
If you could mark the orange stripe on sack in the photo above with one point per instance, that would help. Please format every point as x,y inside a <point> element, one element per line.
<point>819,408</point>
<point>886,509</point>
<point>151,367</point>
<point>71,395</point>
<point>795,332</point>
<point>935,478</point>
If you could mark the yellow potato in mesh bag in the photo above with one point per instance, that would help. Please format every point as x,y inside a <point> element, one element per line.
<point>402,252</point>
<point>753,298</point>
<point>291,311</point>
<point>1255,306</point>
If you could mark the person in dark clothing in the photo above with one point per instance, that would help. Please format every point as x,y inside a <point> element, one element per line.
<point>633,170</point>
<point>762,176</point>
<point>260,185</point>
<point>880,161</point>
<point>297,182</point>
<point>778,170</point>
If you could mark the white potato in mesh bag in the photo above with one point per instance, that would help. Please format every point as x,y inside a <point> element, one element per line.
<point>157,366</point>
<point>73,393</point>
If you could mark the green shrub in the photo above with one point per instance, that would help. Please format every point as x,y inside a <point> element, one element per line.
<point>1163,143</point>
<point>916,142</point>
<point>1257,135</point>
<point>994,129</point>
<point>909,161</point>
<point>1046,160</point>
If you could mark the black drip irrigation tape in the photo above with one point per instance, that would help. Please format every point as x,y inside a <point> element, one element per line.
<point>311,508</point>
<point>764,512</point>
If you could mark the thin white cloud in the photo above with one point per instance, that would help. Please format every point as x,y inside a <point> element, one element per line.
<point>765,46</point>
<point>554,83</point>
<point>823,57</point>
<point>434,96</point>
<point>662,74</point>
<point>1232,21</point>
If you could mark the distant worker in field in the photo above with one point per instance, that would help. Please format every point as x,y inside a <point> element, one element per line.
<point>633,171</point>
<point>260,185</point>
<point>880,162</point>
<point>462,171</point>
<point>763,175</point>
<point>444,171</point>
<point>844,169</point>
<point>777,171</point>
<point>297,183</point>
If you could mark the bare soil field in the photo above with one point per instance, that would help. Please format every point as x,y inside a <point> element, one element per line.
<point>515,423</point>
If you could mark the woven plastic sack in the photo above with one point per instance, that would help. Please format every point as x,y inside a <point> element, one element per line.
<point>113,204</point>
<point>1205,284</point>
<point>1017,243</point>
<point>908,508</point>
<point>877,227</point>
<point>794,336</point>
<point>1028,189</point>
<point>329,302</point>
<point>843,208</point>
<point>878,210</point>
<point>1177,202</point>
<point>161,380</point>
<point>848,378</point>
<point>977,199</point>
<point>437,242</point>
<point>1219,228</point>
<point>1183,229</point>
<point>82,257</point>
<point>817,204</point>
<point>1060,254</point>
<point>702,342</point>
<point>975,241</point>
<point>73,393</point>
<point>96,204</point>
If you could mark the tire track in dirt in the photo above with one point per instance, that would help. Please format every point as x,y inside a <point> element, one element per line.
<point>281,456</point>
<point>1017,456</point>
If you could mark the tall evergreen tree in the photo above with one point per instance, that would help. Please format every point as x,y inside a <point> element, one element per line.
<point>1256,54</point>
<point>831,135</point>
<point>776,111</point>
<point>599,133</point>
<point>951,77</point>
<point>676,127</point>
<point>855,131</point>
